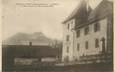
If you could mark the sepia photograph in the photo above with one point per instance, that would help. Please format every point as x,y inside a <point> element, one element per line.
<point>57,36</point>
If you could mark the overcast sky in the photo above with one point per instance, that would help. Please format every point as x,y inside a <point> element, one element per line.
<point>35,19</point>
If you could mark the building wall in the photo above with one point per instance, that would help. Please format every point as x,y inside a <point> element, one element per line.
<point>73,52</point>
<point>67,55</point>
<point>110,34</point>
<point>91,39</point>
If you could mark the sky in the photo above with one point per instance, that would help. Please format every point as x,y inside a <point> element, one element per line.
<point>48,20</point>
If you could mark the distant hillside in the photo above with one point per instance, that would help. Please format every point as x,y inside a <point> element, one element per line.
<point>37,38</point>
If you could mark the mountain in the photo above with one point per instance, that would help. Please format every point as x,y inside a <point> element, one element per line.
<point>37,38</point>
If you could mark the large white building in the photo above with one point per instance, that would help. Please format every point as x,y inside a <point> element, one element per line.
<point>88,31</point>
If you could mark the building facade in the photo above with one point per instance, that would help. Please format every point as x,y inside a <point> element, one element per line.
<point>88,31</point>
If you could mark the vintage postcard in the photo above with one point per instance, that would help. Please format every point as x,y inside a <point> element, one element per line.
<point>57,36</point>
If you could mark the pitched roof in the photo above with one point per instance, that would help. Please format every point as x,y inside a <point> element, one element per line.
<point>103,9</point>
<point>24,51</point>
<point>76,11</point>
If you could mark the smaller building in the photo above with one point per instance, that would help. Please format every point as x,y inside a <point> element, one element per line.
<point>13,55</point>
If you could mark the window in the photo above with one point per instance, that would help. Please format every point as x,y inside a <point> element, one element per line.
<point>72,22</point>
<point>67,38</point>
<point>86,30</point>
<point>96,27</point>
<point>67,50</point>
<point>78,46</point>
<point>86,45</point>
<point>78,33</point>
<point>68,26</point>
<point>66,59</point>
<point>96,43</point>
